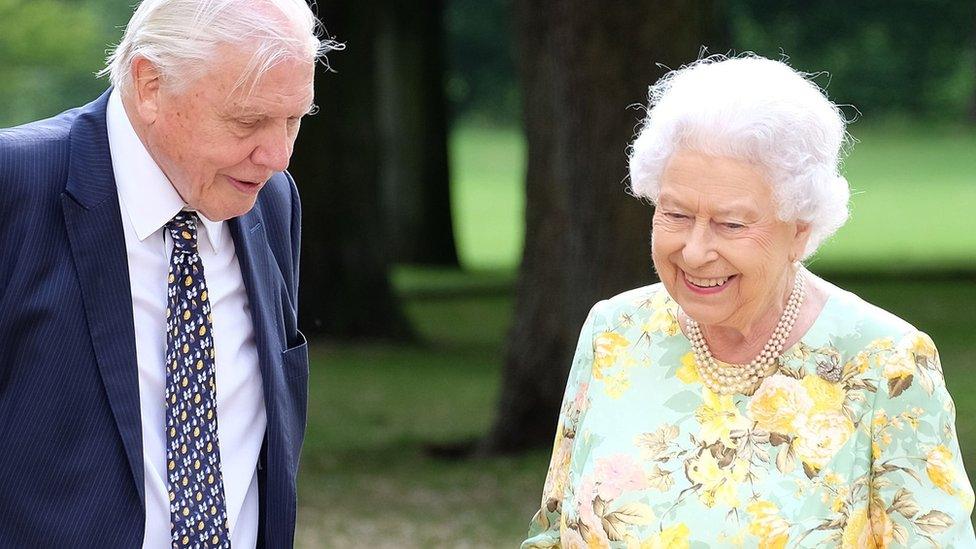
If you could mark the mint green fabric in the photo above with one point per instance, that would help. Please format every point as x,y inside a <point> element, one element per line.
<point>646,457</point>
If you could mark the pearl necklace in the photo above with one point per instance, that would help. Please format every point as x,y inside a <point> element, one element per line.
<point>726,380</point>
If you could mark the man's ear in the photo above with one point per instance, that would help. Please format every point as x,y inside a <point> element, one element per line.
<point>146,82</point>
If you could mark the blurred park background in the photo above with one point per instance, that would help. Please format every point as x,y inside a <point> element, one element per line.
<point>455,134</point>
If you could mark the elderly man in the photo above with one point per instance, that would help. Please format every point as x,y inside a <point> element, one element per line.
<point>152,375</point>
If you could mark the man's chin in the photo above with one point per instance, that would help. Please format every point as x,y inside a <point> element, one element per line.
<point>228,211</point>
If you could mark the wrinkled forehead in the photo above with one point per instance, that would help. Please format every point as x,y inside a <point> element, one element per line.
<point>282,89</point>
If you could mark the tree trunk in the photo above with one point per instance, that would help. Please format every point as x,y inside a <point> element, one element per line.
<point>582,64</point>
<point>345,286</point>
<point>413,124</point>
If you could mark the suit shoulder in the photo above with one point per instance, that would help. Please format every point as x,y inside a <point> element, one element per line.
<point>34,157</point>
<point>277,193</point>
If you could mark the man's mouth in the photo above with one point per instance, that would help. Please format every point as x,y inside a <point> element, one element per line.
<point>245,186</point>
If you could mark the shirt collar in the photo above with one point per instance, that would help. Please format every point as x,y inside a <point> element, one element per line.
<point>147,195</point>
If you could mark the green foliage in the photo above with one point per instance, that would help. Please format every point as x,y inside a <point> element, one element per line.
<point>481,76</point>
<point>907,56</point>
<point>49,53</point>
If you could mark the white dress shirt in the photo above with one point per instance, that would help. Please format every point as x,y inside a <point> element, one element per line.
<point>148,201</point>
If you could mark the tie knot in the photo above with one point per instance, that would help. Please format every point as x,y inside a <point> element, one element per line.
<point>183,229</point>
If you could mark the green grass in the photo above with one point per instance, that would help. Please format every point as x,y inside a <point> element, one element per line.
<point>367,477</point>
<point>914,191</point>
<point>368,481</point>
<point>488,169</point>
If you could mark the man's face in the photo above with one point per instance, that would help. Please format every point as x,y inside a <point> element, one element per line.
<point>219,146</point>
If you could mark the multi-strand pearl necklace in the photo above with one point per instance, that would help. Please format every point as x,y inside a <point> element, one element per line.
<point>726,380</point>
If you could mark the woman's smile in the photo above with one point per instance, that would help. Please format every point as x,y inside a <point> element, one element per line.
<point>707,286</point>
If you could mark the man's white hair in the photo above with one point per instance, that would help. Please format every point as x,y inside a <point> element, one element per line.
<point>181,37</point>
<point>758,110</point>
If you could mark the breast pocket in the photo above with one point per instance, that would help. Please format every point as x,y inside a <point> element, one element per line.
<point>295,359</point>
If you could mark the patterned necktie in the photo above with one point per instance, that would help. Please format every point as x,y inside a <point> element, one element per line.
<point>198,513</point>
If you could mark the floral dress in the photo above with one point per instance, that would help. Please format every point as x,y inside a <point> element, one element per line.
<point>646,457</point>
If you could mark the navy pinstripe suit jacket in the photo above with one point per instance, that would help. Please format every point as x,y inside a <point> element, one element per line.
<point>71,469</point>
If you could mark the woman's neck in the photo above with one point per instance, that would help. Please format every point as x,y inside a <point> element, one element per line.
<point>741,345</point>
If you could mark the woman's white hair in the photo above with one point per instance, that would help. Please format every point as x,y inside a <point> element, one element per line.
<point>758,110</point>
<point>181,37</point>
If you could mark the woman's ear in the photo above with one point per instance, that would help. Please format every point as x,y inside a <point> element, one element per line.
<point>800,238</point>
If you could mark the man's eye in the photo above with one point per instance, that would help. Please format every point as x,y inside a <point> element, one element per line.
<point>675,216</point>
<point>733,226</point>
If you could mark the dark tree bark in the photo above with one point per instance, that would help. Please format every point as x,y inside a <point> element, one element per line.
<point>345,286</point>
<point>582,63</point>
<point>413,125</point>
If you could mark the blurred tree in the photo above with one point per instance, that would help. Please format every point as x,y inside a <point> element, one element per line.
<point>581,64</point>
<point>42,72</point>
<point>345,285</point>
<point>481,80</point>
<point>908,56</point>
<point>413,129</point>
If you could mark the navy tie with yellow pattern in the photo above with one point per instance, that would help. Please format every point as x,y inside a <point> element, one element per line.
<point>197,509</point>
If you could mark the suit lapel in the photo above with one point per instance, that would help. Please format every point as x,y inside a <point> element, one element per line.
<point>254,258</point>
<point>94,225</point>
<point>257,264</point>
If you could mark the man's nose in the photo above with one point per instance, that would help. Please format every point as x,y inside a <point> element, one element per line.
<point>274,151</point>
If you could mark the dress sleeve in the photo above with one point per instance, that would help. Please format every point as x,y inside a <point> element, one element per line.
<point>544,530</point>
<point>919,492</point>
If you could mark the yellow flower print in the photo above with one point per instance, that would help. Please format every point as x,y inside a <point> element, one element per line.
<point>662,320</point>
<point>718,417</point>
<point>864,531</point>
<point>688,372</point>
<point>880,420</point>
<point>823,434</point>
<point>616,384</point>
<point>840,498</point>
<point>780,405</point>
<point>897,365</point>
<point>882,344</point>
<point>923,345</point>
<point>673,537</point>
<point>860,362</point>
<point>771,529</point>
<point>882,529</point>
<point>826,396</point>
<point>856,531</point>
<point>559,465</point>
<point>606,348</point>
<point>718,485</point>
<point>938,465</point>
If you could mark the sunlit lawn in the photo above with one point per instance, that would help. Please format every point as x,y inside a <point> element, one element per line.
<point>914,194</point>
<point>368,479</point>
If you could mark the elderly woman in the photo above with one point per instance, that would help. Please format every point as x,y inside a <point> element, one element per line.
<point>743,401</point>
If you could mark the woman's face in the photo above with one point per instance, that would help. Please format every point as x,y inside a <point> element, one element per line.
<point>717,244</point>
